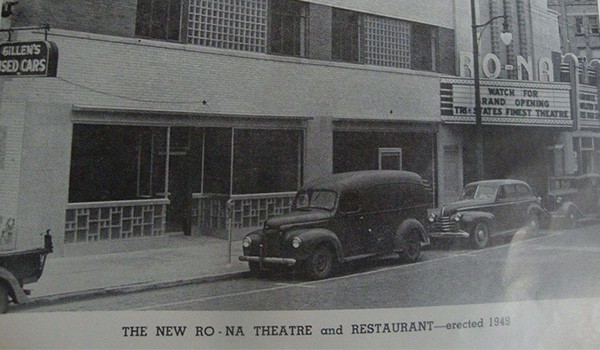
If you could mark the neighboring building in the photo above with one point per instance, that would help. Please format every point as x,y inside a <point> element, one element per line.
<point>579,151</point>
<point>578,24</point>
<point>162,111</point>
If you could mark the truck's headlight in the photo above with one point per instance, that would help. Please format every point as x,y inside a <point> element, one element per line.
<point>457,217</point>
<point>296,242</point>
<point>558,200</point>
<point>247,242</point>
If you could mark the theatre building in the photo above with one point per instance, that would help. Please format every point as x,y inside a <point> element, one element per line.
<point>526,108</point>
<point>165,116</point>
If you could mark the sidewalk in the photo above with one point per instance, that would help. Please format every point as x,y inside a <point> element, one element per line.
<point>184,260</point>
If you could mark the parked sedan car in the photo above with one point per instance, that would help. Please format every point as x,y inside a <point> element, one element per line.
<point>344,217</point>
<point>486,209</point>
<point>574,199</point>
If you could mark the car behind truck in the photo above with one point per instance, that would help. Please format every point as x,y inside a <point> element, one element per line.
<point>18,268</point>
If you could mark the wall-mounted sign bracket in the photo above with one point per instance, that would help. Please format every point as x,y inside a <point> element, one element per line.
<point>44,27</point>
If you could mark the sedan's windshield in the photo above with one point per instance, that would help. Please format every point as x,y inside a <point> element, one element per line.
<point>479,192</point>
<point>320,199</point>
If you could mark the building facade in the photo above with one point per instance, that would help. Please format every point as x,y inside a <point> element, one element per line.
<point>164,116</point>
<point>578,24</point>
<point>199,116</point>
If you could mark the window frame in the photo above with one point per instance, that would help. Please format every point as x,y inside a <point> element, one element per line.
<point>299,38</point>
<point>171,22</point>
<point>341,50</point>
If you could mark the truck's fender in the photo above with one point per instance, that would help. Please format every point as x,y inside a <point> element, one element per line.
<point>407,226</point>
<point>15,289</point>
<point>313,237</point>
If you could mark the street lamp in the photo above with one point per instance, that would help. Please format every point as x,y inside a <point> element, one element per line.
<point>506,38</point>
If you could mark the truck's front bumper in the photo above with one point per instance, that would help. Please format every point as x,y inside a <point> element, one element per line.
<point>268,260</point>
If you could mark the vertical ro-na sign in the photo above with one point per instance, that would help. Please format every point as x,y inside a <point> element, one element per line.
<point>34,58</point>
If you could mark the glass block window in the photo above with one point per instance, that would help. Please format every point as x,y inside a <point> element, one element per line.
<point>229,24</point>
<point>386,42</point>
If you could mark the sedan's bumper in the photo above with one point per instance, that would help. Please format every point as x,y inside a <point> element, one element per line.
<point>451,234</point>
<point>268,260</point>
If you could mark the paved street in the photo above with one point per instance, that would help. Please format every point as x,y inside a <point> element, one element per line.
<point>561,264</point>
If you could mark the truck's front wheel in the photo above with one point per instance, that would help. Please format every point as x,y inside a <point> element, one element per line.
<point>320,263</point>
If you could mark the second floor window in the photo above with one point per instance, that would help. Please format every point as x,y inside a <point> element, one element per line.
<point>344,35</point>
<point>387,42</point>
<point>579,25</point>
<point>288,27</point>
<point>228,24</point>
<point>593,24</point>
<point>158,19</point>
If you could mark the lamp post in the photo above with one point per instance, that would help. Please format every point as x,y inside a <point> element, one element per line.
<point>506,38</point>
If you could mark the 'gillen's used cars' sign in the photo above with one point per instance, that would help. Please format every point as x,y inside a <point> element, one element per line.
<point>34,58</point>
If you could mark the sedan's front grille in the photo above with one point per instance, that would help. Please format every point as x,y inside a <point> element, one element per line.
<point>444,224</point>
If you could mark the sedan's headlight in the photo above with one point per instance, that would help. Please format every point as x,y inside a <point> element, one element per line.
<point>431,218</point>
<point>296,242</point>
<point>558,200</point>
<point>247,242</point>
<point>457,217</point>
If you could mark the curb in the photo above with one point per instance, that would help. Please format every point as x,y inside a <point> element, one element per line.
<point>128,288</point>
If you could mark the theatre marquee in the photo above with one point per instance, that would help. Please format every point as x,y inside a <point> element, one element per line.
<point>506,102</point>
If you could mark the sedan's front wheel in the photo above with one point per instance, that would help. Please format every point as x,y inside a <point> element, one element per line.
<point>533,224</point>
<point>480,235</point>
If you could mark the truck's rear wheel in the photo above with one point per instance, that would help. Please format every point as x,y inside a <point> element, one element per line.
<point>3,299</point>
<point>412,247</point>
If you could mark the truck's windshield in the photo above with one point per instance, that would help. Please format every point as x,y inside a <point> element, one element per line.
<point>320,199</point>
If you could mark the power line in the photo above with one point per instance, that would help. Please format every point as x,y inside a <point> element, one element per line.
<point>127,97</point>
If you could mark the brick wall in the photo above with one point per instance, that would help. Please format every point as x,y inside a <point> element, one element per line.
<point>94,16</point>
<point>319,32</point>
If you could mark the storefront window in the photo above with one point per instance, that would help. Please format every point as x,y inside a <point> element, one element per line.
<point>266,161</point>
<point>361,151</point>
<point>114,163</point>
<point>217,161</point>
